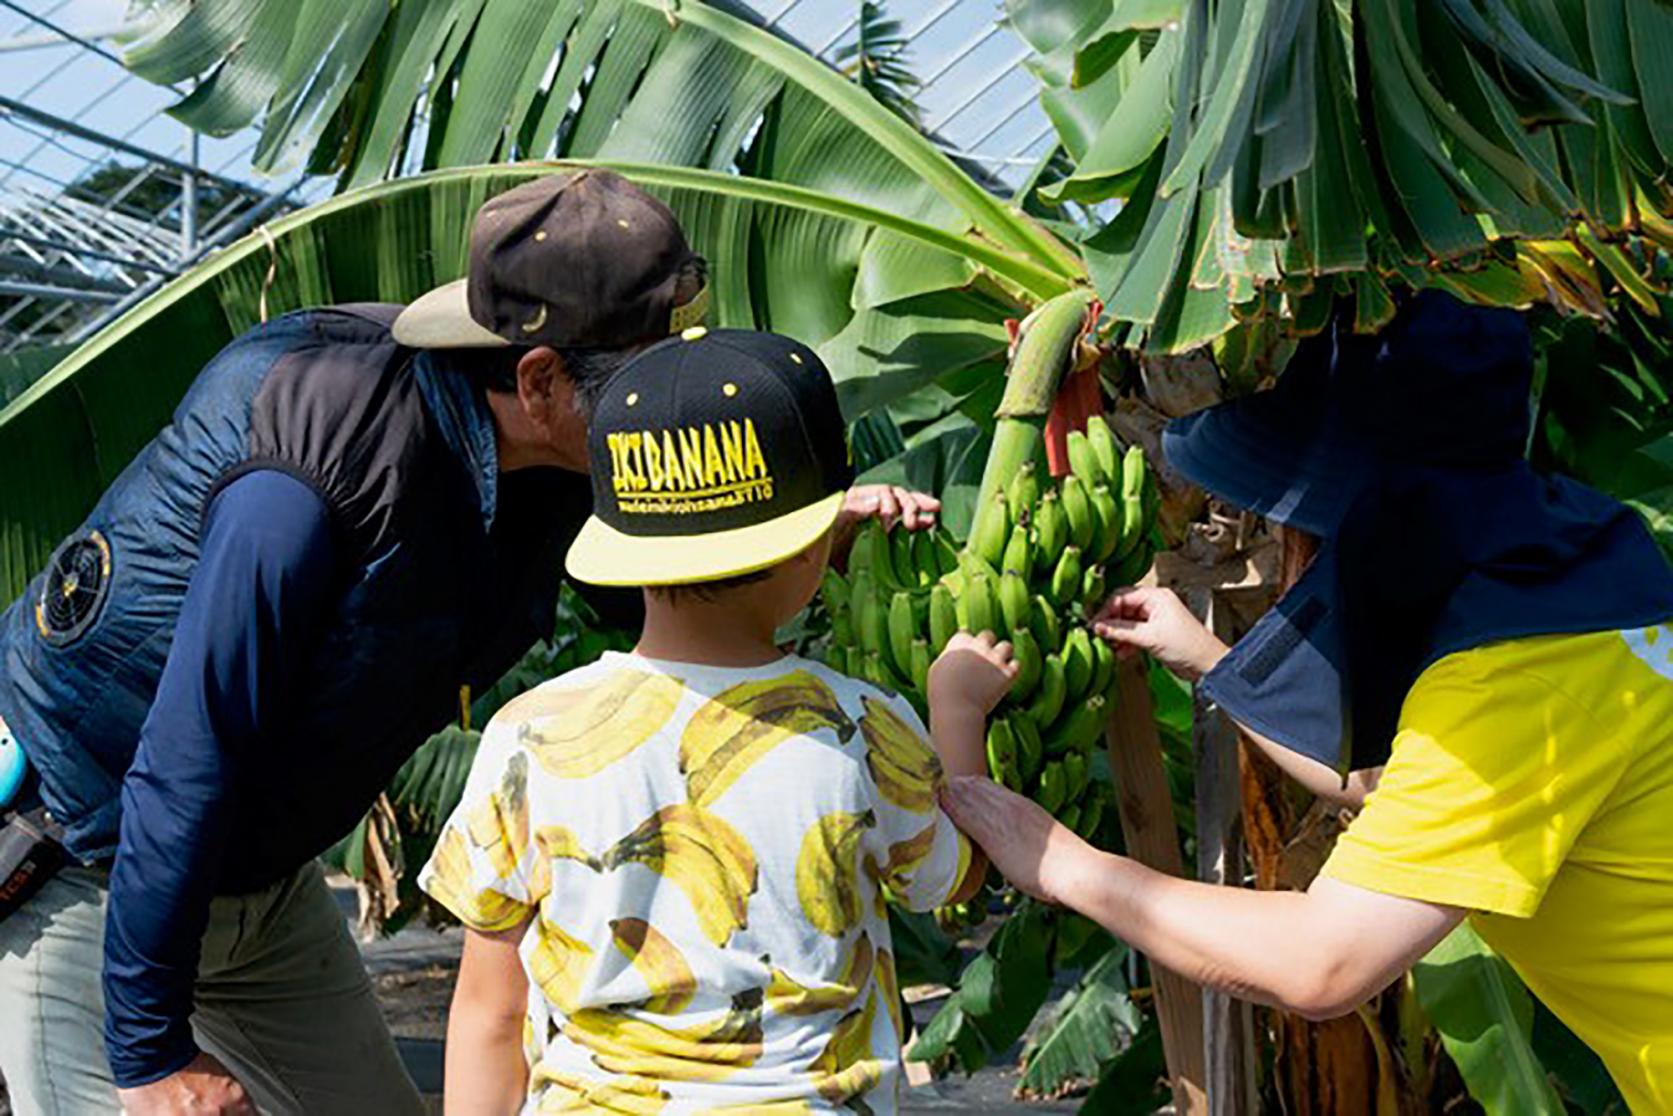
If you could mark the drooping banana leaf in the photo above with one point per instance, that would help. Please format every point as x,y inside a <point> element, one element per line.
<point>1272,155</point>
<point>655,81</point>
<point>74,430</point>
<point>1093,1023</point>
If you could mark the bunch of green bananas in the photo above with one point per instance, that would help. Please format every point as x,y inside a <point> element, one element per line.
<point>1040,556</point>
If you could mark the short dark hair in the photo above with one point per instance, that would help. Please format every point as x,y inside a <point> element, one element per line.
<point>708,591</point>
<point>588,369</point>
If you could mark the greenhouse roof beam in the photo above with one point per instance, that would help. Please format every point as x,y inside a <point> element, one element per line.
<point>67,294</point>
<point>93,135</point>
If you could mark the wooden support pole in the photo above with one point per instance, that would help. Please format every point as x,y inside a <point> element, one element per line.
<point>1146,810</point>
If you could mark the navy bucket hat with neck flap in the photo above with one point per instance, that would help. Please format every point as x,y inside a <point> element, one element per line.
<point>1404,453</point>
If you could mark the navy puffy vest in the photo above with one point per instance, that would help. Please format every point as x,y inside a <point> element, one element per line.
<point>448,572</point>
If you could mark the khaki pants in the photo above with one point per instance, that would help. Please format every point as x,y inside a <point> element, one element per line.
<point>282,999</point>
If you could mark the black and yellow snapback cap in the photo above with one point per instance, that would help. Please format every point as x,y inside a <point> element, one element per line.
<point>713,454</point>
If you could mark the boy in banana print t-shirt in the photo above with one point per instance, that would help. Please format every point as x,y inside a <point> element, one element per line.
<point>673,864</point>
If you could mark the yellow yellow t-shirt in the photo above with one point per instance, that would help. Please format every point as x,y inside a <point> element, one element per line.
<point>1531,781</point>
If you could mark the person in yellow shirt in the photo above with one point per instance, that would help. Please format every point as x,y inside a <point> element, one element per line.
<point>1477,658</point>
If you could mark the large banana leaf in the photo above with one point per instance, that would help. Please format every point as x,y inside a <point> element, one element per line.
<point>76,428</point>
<point>1485,1018</point>
<point>1272,155</point>
<point>455,82</point>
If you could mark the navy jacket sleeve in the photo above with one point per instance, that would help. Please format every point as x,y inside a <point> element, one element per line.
<point>261,585</point>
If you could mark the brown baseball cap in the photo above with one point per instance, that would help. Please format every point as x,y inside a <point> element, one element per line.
<point>578,259</point>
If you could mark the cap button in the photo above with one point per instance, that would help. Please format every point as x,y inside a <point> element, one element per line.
<point>693,333</point>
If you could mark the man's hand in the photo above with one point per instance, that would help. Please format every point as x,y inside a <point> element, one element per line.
<point>1030,848</point>
<point>1157,621</point>
<point>972,672</point>
<point>203,1087</point>
<point>886,502</point>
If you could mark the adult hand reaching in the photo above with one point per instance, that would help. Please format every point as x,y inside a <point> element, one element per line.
<point>1029,847</point>
<point>203,1087</point>
<point>887,503</point>
<point>1157,621</point>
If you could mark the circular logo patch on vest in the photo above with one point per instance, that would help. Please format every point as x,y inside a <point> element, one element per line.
<point>75,587</point>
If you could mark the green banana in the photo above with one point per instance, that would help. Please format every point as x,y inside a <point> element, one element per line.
<point>1069,817</point>
<point>1029,663</point>
<point>981,603</point>
<point>875,670</point>
<point>900,554</point>
<point>1002,754</point>
<point>920,658</point>
<point>1129,569</point>
<point>882,561</point>
<point>1019,553</point>
<point>1077,665</point>
<point>1014,601</point>
<point>1052,787</point>
<point>842,629</point>
<point>1066,578</point>
<point>1048,633</point>
<point>1079,728</point>
<point>1092,588</point>
<point>1048,700</point>
<point>925,564</point>
<point>1051,531</point>
<point>1103,666</point>
<point>1092,813</point>
<point>859,553</point>
<point>1082,462</point>
<point>1024,491</point>
<point>834,591</point>
<point>867,612</point>
<point>946,553</point>
<point>1031,751</point>
<point>991,532</point>
<point>1074,775</point>
<point>943,617</point>
<point>903,628</point>
<point>1077,509</point>
<point>1109,523</point>
<point>1132,500</point>
<point>1104,448</point>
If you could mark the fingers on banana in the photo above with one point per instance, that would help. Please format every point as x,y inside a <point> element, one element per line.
<point>1102,441</point>
<point>1026,649</point>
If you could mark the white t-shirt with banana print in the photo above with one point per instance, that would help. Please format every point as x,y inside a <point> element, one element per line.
<point>705,854</point>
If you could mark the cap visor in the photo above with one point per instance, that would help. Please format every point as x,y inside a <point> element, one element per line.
<point>1261,452</point>
<point>602,555</point>
<point>442,319</point>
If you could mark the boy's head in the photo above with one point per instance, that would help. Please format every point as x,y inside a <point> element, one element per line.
<point>719,464</point>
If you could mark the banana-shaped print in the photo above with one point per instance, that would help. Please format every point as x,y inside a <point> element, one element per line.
<point>846,1067</point>
<point>702,855</point>
<point>576,733</point>
<point>620,1042</point>
<point>741,724</point>
<point>622,1096</point>
<point>659,962</point>
<point>499,824</point>
<point>451,886</point>
<point>828,871</point>
<point>903,766</point>
<point>786,997</point>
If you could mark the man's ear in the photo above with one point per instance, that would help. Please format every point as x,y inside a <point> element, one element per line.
<point>545,393</point>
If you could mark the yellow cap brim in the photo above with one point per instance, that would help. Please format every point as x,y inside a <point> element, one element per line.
<point>602,555</point>
<point>442,319</point>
